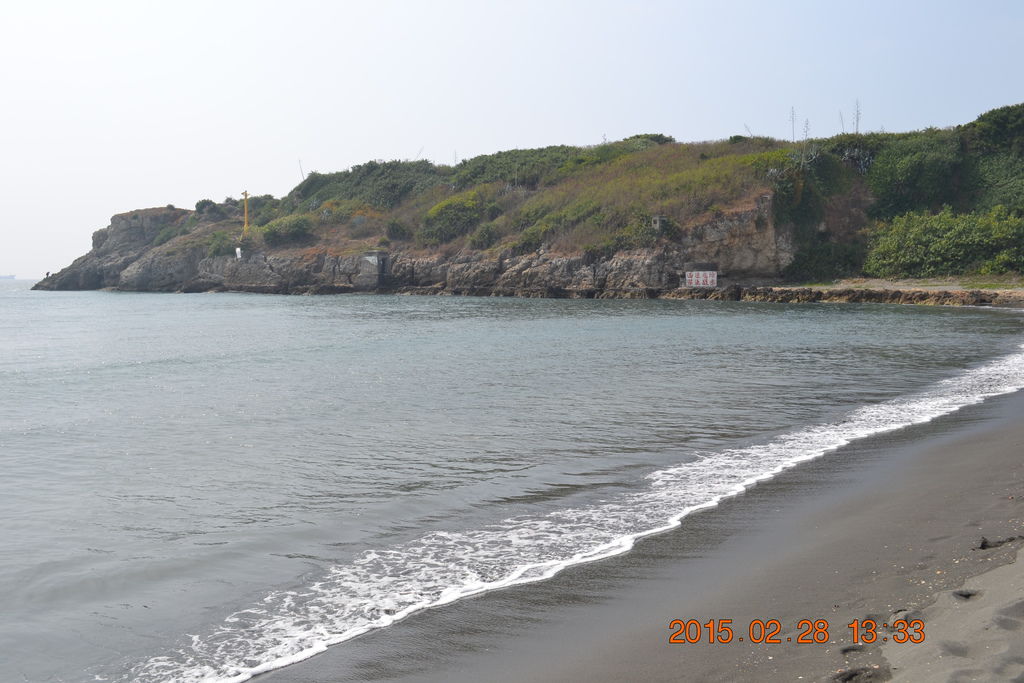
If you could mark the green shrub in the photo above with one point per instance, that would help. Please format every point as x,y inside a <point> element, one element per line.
<point>1000,129</point>
<point>451,218</point>
<point>287,229</point>
<point>651,138</point>
<point>798,199</point>
<point>169,232</point>
<point>604,249</point>
<point>998,179</point>
<point>484,236</point>
<point>397,230</point>
<point>219,243</point>
<point>528,168</point>
<point>640,233</point>
<point>263,209</point>
<point>210,210</point>
<point>606,153</point>
<point>917,173</point>
<point>337,211</point>
<point>858,150</point>
<point>492,211</point>
<point>946,243</point>
<point>381,184</point>
<point>533,238</point>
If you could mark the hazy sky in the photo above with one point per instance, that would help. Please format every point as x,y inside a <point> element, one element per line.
<point>113,106</point>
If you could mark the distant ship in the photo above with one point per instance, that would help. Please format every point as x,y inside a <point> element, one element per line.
<point>6,277</point>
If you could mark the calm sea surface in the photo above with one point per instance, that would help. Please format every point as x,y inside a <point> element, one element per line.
<point>203,487</point>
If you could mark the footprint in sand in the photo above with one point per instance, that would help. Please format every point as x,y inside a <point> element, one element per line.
<point>954,648</point>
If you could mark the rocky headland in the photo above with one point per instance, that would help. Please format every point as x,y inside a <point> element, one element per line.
<point>746,247</point>
<point>625,219</point>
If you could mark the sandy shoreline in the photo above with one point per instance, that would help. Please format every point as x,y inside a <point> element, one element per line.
<point>881,529</point>
<point>975,632</point>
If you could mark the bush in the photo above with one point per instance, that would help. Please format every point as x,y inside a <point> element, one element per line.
<point>926,245</point>
<point>451,218</point>
<point>492,211</point>
<point>858,149</point>
<point>263,209</point>
<point>999,179</point>
<point>484,237</point>
<point>533,238</point>
<point>917,173</point>
<point>603,154</point>
<point>653,138</point>
<point>528,168</point>
<point>384,185</point>
<point>397,230</point>
<point>1001,129</point>
<point>169,232</point>
<point>640,233</point>
<point>798,199</point>
<point>210,209</point>
<point>219,243</point>
<point>287,229</point>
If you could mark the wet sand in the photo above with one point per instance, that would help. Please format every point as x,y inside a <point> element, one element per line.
<point>883,529</point>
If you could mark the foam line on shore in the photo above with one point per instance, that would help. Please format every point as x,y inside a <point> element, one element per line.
<point>385,585</point>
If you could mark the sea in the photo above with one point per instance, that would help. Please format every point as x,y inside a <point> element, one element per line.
<point>204,487</point>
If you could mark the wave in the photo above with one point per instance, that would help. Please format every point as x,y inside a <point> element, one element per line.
<point>383,586</point>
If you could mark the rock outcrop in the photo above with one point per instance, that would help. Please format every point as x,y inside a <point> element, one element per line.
<point>744,243</point>
<point>128,237</point>
<point>790,295</point>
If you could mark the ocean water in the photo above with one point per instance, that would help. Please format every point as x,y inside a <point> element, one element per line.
<point>204,487</point>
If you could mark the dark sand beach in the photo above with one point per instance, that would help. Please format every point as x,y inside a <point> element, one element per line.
<point>886,528</point>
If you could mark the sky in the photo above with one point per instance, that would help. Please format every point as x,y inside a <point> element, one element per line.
<point>113,106</point>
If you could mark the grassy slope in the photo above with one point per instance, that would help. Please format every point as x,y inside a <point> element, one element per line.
<point>601,199</point>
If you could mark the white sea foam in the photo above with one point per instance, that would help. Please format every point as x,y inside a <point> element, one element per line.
<point>385,585</point>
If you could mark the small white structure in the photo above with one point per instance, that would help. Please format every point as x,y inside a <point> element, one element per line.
<point>238,253</point>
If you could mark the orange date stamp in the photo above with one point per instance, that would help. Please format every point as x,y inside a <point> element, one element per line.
<point>809,631</point>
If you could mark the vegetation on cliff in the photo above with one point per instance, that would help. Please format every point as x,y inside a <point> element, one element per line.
<point>925,203</point>
<point>951,201</point>
<point>922,244</point>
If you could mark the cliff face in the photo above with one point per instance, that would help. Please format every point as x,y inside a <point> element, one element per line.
<point>114,248</point>
<point>746,244</point>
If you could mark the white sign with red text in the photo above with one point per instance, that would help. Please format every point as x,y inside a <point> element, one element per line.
<point>702,278</point>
